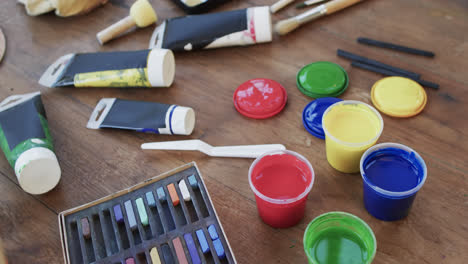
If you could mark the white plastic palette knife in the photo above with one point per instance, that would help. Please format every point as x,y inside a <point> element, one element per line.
<point>245,151</point>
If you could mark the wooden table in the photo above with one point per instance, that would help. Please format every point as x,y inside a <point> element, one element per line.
<point>96,163</point>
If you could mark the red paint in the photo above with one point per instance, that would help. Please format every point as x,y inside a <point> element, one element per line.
<point>282,178</point>
<point>130,261</point>
<point>260,98</point>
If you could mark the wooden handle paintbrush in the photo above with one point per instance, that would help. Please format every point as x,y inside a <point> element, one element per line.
<point>279,5</point>
<point>285,26</point>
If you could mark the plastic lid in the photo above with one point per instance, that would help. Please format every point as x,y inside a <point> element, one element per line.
<point>260,98</point>
<point>161,67</point>
<point>322,79</point>
<point>312,115</point>
<point>182,120</point>
<point>398,96</point>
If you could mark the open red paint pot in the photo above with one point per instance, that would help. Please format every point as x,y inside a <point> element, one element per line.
<point>281,181</point>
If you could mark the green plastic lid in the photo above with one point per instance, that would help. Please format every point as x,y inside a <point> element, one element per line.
<point>322,79</point>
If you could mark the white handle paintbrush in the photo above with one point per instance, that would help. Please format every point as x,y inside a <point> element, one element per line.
<point>285,26</point>
<point>246,151</point>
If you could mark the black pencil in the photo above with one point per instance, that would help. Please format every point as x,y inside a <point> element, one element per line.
<point>391,73</point>
<point>354,57</point>
<point>396,47</point>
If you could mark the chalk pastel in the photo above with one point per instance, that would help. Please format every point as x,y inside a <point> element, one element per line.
<point>130,215</point>
<point>118,213</point>
<point>219,248</point>
<point>213,233</point>
<point>179,249</point>
<point>192,249</point>
<point>130,261</point>
<point>173,194</point>
<point>155,256</point>
<point>150,199</point>
<point>193,181</point>
<point>184,191</point>
<point>85,228</point>
<point>142,211</point>
<point>202,240</point>
<point>161,194</point>
<point>167,254</point>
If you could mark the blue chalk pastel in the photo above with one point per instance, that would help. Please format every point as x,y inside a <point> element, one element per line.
<point>202,240</point>
<point>161,194</point>
<point>130,215</point>
<point>219,248</point>
<point>118,214</point>
<point>193,181</point>
<point>192,248</point>
<point>150,199</point>
<point>213,233</point>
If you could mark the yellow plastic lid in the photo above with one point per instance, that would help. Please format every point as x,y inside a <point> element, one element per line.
<point>398,96</point>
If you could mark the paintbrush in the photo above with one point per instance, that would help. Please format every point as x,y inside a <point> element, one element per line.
<point>279,5</point>
<point>309,3</point>
<point>285,26</point>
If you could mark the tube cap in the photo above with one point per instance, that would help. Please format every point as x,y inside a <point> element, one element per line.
<point>161,67</point>
<point>260,98</point>
<point>262,24</point>
<point>322,79</point>
<point>312,115</point>
<point>183,120</point>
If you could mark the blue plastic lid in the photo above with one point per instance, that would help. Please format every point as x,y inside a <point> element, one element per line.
<point>312,115</point>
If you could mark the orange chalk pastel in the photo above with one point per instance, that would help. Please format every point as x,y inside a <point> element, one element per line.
<point>173,194</point>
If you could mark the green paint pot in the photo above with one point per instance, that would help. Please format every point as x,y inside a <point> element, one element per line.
<point>322,79</point>
<point>339,238</point>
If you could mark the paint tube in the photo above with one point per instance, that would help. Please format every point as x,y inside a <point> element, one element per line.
<point>27,143</point>
<point>143,68</point>
<point>232,28</point>
<point>142,117</point>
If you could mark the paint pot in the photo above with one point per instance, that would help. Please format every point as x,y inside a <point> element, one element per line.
<point>27,143</point>
<point>313,113</point>
<point>142,68</point>
<point>322,79</point>
<point>142,117</point>
<point>281,181</point>
<point>223,29</point>
<point>351,127</point>
<point>392,175</point>
<point>339,237</point>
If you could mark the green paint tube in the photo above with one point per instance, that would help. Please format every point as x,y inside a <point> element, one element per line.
<point>27,143</point>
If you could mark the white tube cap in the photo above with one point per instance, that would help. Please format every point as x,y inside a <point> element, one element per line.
<point>262,24</point>
<point>37,170</point>
<point>161,67</point>
<point>183,120</point>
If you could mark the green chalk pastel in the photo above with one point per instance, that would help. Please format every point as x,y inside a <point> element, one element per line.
<point>142,211</point>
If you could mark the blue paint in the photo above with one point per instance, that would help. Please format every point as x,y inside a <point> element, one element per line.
<point>219,248</point>
<point>148,130</point>
<point>213,233</point>
<point>161,194</point>
<point>192,249</point>
<point>150,199</point>
<point>312,115</point>
<point>392,176</point>
<point>193,181</point>
<point>202,240</point>
<point>170,119</point>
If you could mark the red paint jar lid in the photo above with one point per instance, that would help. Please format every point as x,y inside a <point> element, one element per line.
<point>260,98</point>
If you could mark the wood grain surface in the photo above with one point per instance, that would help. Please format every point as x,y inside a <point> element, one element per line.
<point>96,163</point>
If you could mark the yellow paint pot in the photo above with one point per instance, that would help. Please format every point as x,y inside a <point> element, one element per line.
<point>351,127</point>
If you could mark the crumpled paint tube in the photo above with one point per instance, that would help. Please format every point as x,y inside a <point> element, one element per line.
<point>143,68</point>
<point>232,28</point>
<point>142,117</point>
<point>27,143</point>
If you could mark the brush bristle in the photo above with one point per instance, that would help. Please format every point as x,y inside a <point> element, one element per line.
<point>285,26</point>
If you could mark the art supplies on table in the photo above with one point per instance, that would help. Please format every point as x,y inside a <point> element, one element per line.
<point>285,26</point>
<point>313,113</point>
<point>392,175</point>
<point>151,222</point>
<point>2,45</point>
<point>142,117</point>
<point>231,28</point>
<point>260,98</point>
<point>309,3</point>
<point>339,237</point>
<point>245,151</point>
<point>141,15</point>
<point>322,79</point>
<point>198,6</point>
<point>142,68</point>
<point>63,8</point>
<point>281,181</point>
<point>27,143</point>
<point>387,45</point>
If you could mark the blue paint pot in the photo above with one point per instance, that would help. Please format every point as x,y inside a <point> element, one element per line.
<point>312,115</point>
<point>392,175</point>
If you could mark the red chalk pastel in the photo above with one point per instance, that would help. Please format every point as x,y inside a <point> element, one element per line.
<point>179,251</point>
<point>85,228</point>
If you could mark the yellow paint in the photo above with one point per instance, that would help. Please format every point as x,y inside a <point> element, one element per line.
<point>155,256</point>
<point>398,96</point>
<point>114,78</point>
<point>350,129</point>
<point>143,13</point>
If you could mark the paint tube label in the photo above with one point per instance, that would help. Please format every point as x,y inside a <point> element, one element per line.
<point>116,78</point>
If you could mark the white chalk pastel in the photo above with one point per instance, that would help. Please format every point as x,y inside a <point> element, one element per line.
<point>184,190</point>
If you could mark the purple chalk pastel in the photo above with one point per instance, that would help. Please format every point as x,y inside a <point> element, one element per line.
<point>192,248</point>
<point>118,214</point>
<point>213,233</point>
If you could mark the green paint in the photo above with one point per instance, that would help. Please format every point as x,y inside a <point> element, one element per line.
<point>339,238</point>
<point>12,155</point>
<point>322,79</point>
<point>142,211</point>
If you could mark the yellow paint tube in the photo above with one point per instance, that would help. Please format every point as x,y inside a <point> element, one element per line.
<point>116,78</point>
